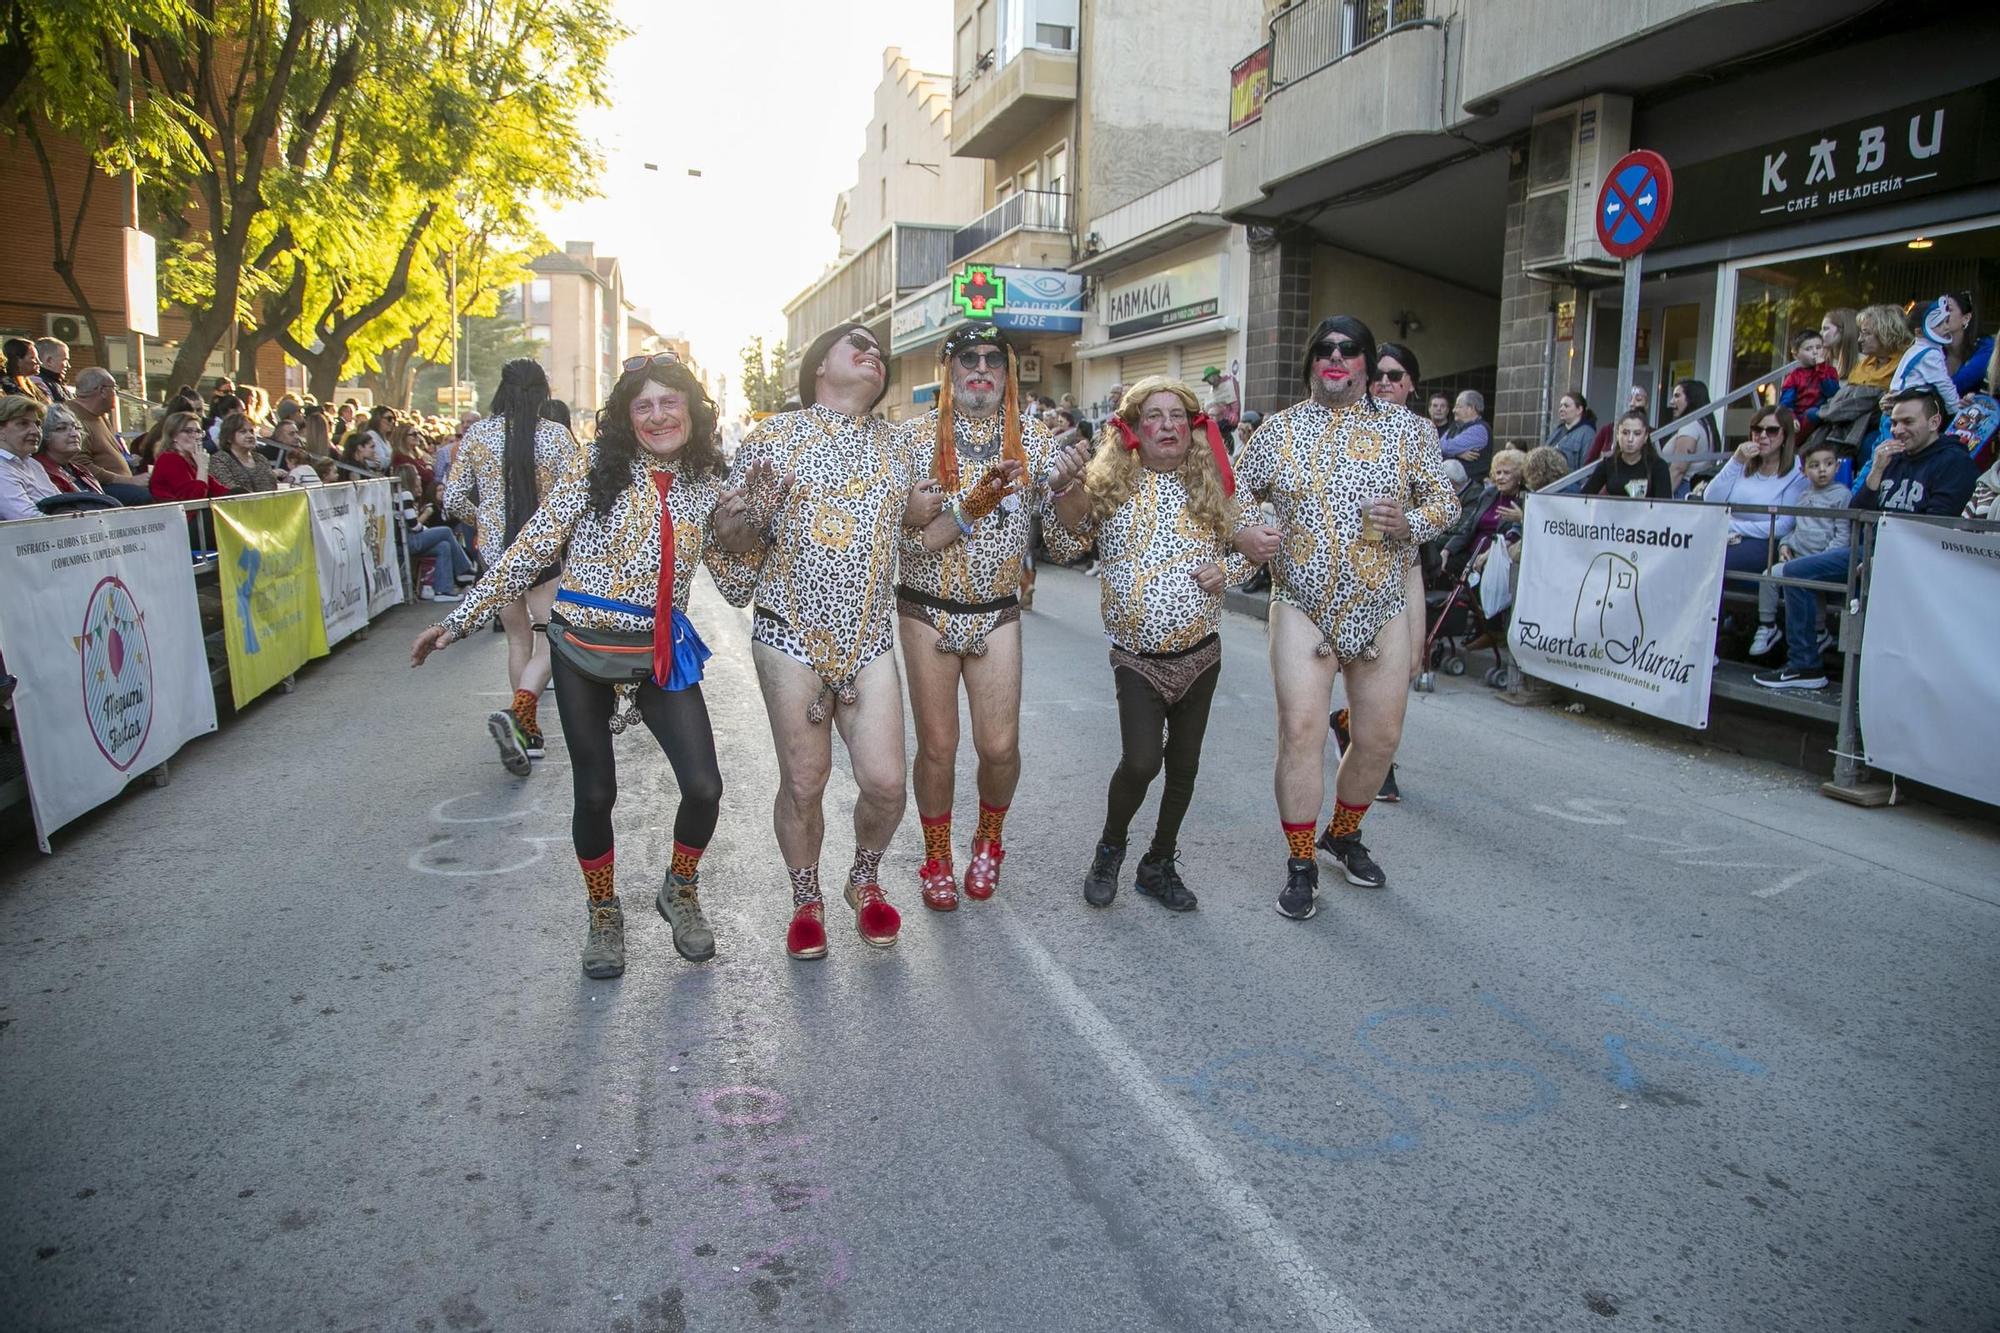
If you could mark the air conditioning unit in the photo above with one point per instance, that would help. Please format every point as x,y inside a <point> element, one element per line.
<point>72,329</point>
<point>1571,149</point>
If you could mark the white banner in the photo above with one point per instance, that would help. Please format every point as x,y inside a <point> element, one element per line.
<point>379,517</point>
<point>343,559</point>
<point>98,620</point>
<point>1930,695</point>
<point>1618,599</point>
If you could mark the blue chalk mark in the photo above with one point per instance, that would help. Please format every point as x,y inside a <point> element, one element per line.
<point>1545,1094</point>
<point>1625,1075</point>
<point>1218,1076</point>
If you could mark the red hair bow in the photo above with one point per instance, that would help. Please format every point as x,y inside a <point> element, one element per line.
<point>1202,422</point>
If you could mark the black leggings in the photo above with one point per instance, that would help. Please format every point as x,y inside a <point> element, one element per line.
<point>1153,731</point>
<point>678,721</point>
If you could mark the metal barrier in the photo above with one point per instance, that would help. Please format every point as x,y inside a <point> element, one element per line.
<point>1849,778</point>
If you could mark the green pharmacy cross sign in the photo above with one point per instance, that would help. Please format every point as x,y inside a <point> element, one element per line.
<point>979,292</point>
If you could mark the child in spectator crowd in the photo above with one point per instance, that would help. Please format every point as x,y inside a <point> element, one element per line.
<point>1809,535</point>
<point>1634,466</point>
<point>1813,383</point>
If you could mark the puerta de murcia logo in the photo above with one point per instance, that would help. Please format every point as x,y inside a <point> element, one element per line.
<point>1608,625</point>
<point>117,673</point>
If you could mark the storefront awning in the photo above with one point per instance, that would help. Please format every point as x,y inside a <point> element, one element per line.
<point>1191,227</point>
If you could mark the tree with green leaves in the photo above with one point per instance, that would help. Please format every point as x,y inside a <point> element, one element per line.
<point>764,377</point>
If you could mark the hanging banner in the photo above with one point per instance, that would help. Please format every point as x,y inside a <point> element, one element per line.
<point>1618,599</point>
<point>1929,692</point>
<point>270,589</point>
<point>342,558</point>
<point>98,622</point>
<point>379,516</point>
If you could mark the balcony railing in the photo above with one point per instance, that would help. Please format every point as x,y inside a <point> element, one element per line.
<point>902,259</point>
<point>1030,210</point>
<point>1312,34</point>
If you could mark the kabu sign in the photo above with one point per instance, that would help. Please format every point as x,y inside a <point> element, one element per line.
<point>1925,148</point>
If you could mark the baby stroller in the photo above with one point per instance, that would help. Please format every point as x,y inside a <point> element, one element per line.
<point>1458,627</point>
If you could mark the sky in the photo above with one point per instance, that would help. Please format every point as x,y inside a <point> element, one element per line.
<point>770,102</point>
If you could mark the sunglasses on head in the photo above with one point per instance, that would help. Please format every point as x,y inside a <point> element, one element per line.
<point>633,363</point>
<point>1346,347</point>
<point>1391,376</point>
<point>973,360</point>
<point>861,342</point>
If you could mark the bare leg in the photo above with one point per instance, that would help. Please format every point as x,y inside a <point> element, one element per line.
<point>520,640</point>
<point>1304,686</point>
<point>993,689</point>
<point>1377,694</point>
<point>934,704</point>
<point>1415,615</point>
<point>873,730</point>
<point>535,674</point>
<point>805,754</point>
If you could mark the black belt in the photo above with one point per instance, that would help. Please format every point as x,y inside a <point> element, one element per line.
<point>1168,657</point>
<point>956,608</point>
<point>764,613</point>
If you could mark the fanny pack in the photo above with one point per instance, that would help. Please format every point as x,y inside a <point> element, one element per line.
<point>609,657</point>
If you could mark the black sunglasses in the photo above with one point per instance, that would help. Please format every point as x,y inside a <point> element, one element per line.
<point>1347,347</point>
<point>1767,430</point>
<point>633,363</point>
<point>861,342</point>
<point>1390,376</point>
<point>975,359</point>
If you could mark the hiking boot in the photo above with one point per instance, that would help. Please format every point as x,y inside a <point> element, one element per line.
<point>679,904</point>
<point>532,743</point>
<point>506,733</point>
<point>1352,858</point>
<point>1159,878</point>
<point>1100,882</point>
<point>604,946</point>
<point>1768,637</point>
<point>1300,898</point>
<point>982,873</point>
<point>1390,791</point>
<point>877,922</point>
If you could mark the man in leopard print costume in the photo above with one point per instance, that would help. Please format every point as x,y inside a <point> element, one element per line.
<point>958,597</point>
<point>1356,489</point>
<point>813,540</point>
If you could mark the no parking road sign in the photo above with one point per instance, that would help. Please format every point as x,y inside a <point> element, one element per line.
<point>1632,206</point>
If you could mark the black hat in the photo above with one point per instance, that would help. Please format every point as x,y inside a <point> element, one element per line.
<point>967,336</point>
<point>816,353</point>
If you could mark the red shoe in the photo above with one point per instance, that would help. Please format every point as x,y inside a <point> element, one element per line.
<point>940,888</point>
<point>873,917</point>
<point>806,936</point>
<point>982,876</point>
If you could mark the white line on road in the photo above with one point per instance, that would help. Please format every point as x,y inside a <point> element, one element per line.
<point>1790,881</point>
<point>1327,1307</point>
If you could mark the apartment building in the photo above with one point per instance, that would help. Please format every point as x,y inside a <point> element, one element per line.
<point>574,305</point>
<point>1433,167</point>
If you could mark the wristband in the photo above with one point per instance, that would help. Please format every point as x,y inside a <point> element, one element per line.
<point>957,513</point>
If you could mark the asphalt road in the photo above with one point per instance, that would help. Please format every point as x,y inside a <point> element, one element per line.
<point>1637,1036</point>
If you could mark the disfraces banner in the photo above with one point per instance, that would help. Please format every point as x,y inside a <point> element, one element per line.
<point>343,559</point>
<point>1618,599</point>
<point>1930,658</point>
<point>99,623</point>
<point>270,589</point>
<point>379,517</point>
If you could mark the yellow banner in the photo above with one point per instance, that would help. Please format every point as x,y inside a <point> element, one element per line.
<point>270,590</point>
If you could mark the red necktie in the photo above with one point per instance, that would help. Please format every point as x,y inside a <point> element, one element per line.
<point>663,597</point>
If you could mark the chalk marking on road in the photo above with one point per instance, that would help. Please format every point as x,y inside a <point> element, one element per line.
<point>439,816</point>
<point>416,862</point>
<point>1586,810</point>
<point>1327,1307</point>
<point>1791,881</point>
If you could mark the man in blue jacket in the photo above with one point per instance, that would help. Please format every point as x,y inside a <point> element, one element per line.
<point>1914,471</point>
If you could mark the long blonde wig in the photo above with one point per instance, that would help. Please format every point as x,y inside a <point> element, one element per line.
<point>1114,468</point>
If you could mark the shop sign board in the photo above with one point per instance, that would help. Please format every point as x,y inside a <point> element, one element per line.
<point>1040,300</point>
<point>1923,148</point>
<point>1182,294</point>
<point>1035,300</point>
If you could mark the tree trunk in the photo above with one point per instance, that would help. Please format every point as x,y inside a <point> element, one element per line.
<point>64,258</point>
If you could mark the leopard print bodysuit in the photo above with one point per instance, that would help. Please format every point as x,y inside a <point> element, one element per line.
<point>824,579</point>
<point>985,567</point>
<point>614,555</point>
<point>1319,467</point>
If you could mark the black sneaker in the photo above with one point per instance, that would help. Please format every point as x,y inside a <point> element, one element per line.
<point>1158,878</point>
<point>532,742</point>
<point>506,733</point>
<point>1352,858</point>
<point>1301,896</point>
<point>1100,884</point>
<point>1390,792</point>
<point>1793,678</point>
<point>1341,736</point>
